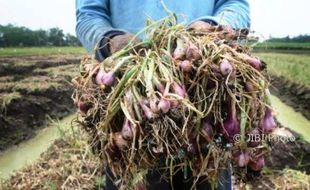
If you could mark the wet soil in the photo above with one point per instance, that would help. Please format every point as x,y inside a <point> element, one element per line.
<point>293,94</point>
<point>293,155</point>
<point>32,91</point>
<point>65,165</point>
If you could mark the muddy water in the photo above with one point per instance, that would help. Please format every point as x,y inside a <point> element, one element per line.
<point>27,152</point>
<point>289,118</point>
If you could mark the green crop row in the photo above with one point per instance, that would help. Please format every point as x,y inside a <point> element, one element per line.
<point>295,67</point>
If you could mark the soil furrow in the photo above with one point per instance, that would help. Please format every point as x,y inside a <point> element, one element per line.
<point>293,94</point>
<point>31,92</point>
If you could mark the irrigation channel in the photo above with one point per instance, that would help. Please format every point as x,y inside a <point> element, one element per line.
<point>17,157</point>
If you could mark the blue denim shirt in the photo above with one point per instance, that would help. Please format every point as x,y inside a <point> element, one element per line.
<point>98,18</point>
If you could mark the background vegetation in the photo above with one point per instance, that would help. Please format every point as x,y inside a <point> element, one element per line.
<point>301,42</point>
<point>294,67</point>
<point>39,51</point>
<point>14,36</point>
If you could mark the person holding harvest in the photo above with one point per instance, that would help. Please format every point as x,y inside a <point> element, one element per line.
<point>105,27</point>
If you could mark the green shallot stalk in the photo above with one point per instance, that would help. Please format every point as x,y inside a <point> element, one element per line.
<point>108,78</point>
<point>243,121</point>
<point>180,50</point>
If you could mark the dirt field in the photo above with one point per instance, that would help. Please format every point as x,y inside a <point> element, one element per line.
<point>32,89</point>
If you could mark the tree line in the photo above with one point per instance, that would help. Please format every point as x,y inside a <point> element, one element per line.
<point>15,36</point>
<point>300,39</point>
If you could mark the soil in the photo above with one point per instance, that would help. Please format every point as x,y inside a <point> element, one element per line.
<point>293,156</point>
<point>63,165</point>
<point>293,94</point>
<point>32,91</point>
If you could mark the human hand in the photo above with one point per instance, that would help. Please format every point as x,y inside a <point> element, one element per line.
<point>224,31</point>
<point>227,32</point>
<point>201,26</point>
<point>120,41</point>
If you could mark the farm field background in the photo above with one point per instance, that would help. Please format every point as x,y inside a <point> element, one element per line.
<point>295,67</point>
<point>59,129</point>
<point>283,46</point>
<point>40,51</point>
<point>279,63</point>
<point>44,74</point>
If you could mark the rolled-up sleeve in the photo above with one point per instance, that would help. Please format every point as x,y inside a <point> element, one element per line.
<point>234,13</point>
<point>93,22</point>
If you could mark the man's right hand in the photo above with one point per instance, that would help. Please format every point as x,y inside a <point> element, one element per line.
<point>201,26</point>
<point>120,41</point>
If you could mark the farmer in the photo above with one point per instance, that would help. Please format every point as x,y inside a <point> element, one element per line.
<point>106,26</point>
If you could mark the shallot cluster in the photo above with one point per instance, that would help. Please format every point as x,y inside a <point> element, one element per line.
<point>177,103</point>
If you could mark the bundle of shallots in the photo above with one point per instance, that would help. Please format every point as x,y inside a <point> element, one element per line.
<point>185,100</point>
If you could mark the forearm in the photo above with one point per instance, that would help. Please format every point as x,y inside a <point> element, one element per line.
<point>90,33</point>
<point>234,13</point>
<point>93,22</point>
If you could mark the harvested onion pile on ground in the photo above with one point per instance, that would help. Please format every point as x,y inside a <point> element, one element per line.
<point>176,104</point>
